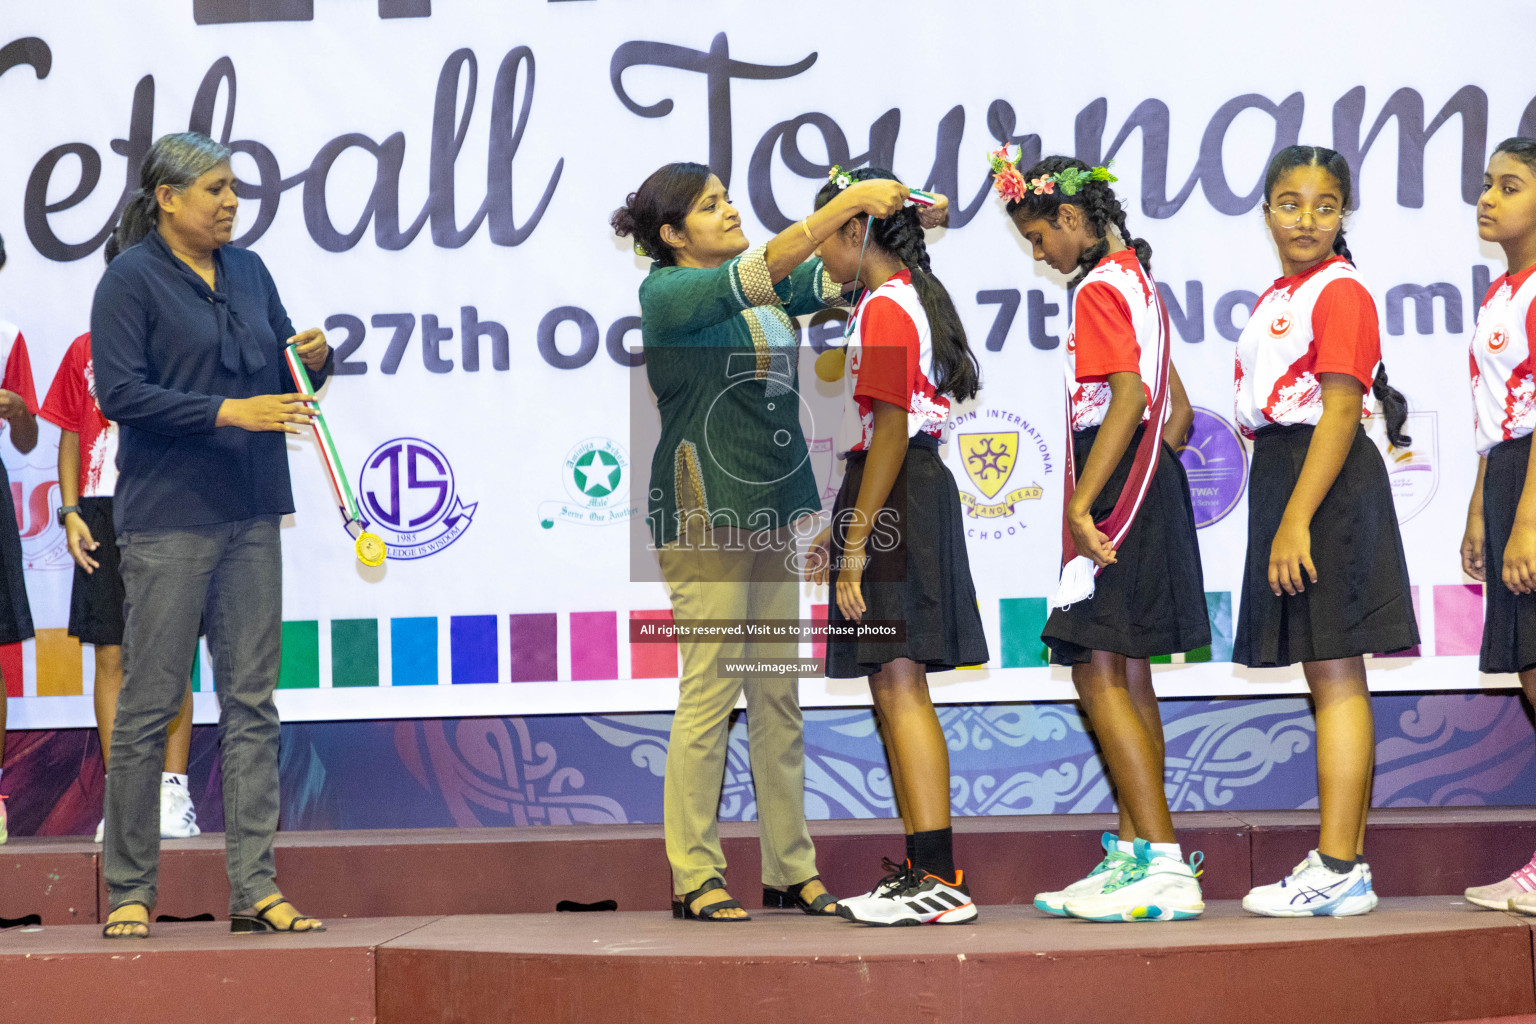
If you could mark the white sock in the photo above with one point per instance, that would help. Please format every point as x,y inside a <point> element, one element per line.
<point>1168,850</point>
<point>1124,847</point>
<point>180,780</point>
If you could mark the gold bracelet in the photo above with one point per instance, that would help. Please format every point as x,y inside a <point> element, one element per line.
<point>807,229</point>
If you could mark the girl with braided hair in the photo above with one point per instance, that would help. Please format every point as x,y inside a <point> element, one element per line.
<point>895,552</point>
<point>1132,585</point>
<point>1499,545</point>
<point>1325,581</point>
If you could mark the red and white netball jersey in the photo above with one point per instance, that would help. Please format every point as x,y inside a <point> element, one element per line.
<point>890,357</point>
<point>71,405</point>
<point>1320,321</point>
<point>1503,391</point>
<point>1116,328</point>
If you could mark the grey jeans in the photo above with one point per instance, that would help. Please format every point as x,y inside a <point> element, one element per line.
<point>231,576</point>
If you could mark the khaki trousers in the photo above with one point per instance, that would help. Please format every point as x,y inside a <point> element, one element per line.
<point>738,586</point>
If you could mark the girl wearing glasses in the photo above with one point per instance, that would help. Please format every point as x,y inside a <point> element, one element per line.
<point>1325,581</point>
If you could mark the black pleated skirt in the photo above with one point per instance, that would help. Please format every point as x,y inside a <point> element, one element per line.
<point>1360,603</point>
<point>1509,619</point>
<point>1152,599</point>
<point>918,573</point>
<point>15,611</point>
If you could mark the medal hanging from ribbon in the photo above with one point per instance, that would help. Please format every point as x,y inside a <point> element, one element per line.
<point>370,548</point>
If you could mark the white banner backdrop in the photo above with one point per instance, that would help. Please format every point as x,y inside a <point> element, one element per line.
<point>432,183</point>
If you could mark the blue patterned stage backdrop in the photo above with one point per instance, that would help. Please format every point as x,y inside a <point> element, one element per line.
<point>1434,750</point>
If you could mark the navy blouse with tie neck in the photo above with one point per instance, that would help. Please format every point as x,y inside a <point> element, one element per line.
<point>167,351</point>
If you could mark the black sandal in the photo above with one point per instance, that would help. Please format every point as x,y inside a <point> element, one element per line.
<point>683,908</point>
<point>789,897</point>
<point>106,929</point>
<point>260,922</point>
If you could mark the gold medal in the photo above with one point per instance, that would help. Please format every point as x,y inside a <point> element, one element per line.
<point>370,549</point>
<point>829,365</point>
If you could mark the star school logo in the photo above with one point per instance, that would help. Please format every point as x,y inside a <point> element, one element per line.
<point>999,460</point>
<point>410,497</point>
<point>1498,340</point>
<point>597,473</point>
<point>1281,325</point>
<point>596,477</point>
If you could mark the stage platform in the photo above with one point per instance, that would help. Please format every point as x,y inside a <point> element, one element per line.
<point>455,926</point>
<point>437,872</point>
<point>1416,959</point>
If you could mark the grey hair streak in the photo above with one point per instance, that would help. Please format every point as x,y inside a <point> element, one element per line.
<point>177,160</point>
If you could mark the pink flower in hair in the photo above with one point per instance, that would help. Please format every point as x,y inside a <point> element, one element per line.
<point>1009,183</point>
<point>1042,186</point>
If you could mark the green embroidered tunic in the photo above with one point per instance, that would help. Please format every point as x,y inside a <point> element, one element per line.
<point>721,356</point>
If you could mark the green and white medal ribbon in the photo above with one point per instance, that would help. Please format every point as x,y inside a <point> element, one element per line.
<point>370,548</point>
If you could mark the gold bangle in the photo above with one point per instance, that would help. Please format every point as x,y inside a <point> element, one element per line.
<point>807,229</point>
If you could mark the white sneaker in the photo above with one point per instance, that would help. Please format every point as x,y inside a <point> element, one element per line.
<point>1106,872</point>
<point>1158,887</point>
<point>178,818</point>
<point>101,831</point>
<point>1311,890</point>
<point>931,901</point>
<point>897,878</point>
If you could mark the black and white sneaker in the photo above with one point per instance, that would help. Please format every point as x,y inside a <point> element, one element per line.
<point>897,878</point>
<point>931,900</point>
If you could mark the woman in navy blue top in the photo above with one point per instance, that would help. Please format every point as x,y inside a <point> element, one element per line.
<point>187,335</point>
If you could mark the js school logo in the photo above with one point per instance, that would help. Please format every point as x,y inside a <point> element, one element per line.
<point>596,477</point>
<point>1217,466</point>
<point>1002,460</point>
<point>409,494</point>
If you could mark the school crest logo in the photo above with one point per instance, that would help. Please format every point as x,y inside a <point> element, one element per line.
<point>409,495</point>
<point>989,459</point>
<point>1414,471</point>
<point>1281,325</point>
<point>1216,464</point>
<point>596,476</point>
<point>1001,463</point>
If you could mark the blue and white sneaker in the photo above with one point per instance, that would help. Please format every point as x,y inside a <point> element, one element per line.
<point>1312,890</point>
<point>1105,873</point>
<point>1159,887</point>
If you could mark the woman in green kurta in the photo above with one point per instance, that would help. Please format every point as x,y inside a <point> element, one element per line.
<point>730,474</point>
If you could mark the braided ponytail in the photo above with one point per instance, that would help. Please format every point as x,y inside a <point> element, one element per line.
<point>1095,200</point>
<point>955,370</point>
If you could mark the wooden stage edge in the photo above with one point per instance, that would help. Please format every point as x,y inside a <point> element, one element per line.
<point>1414,961</point>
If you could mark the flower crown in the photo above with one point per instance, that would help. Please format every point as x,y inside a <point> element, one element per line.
<point>915,196</point>
<point>1011,185</point>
